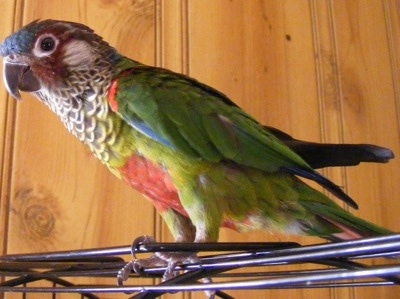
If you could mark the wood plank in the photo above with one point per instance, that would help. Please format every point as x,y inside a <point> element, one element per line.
<point>260,53</point>
<point>172,52</point>
<point>369,103</point>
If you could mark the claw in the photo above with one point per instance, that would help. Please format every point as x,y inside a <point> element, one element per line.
<point>142,240</point>
<point>124,273</point>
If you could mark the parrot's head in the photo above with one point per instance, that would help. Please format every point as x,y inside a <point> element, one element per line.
<point>55,59</point>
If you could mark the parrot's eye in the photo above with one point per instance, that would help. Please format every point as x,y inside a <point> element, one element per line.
<point>45,45</point>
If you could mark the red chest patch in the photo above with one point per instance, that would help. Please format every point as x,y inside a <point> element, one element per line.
<point>111,96</point>
<point>152,181</point>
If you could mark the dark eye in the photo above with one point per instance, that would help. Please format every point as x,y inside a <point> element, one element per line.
<point>47,44</point>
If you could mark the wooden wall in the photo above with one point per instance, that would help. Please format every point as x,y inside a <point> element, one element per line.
<point>323,70</point>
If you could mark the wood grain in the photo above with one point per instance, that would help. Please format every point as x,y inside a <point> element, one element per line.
<point>321,70</point>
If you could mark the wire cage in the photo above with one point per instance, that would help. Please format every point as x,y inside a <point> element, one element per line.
<point>221,267</point>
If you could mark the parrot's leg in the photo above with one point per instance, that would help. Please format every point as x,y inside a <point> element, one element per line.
<point>183,231</point>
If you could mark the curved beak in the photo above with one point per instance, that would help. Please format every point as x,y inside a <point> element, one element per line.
<point>19,77</point>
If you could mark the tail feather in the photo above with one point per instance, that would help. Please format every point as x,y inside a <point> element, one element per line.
<point>329,155</point>
<point>319,155</point>
<point>324,182</point>
<point>335,223</point>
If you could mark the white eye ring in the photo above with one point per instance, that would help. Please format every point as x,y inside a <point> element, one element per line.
<point>45,45</point>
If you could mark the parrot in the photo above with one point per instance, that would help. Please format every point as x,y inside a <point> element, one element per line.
<point>201,160</point>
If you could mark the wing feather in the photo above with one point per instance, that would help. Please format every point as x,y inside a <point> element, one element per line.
<point>195,119</point>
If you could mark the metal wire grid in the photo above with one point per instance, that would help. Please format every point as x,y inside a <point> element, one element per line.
<point>231,268</point>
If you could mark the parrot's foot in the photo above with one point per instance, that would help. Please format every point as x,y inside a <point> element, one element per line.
<point>170,260</point>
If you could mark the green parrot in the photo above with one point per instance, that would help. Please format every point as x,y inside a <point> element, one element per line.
<point>202,161</point>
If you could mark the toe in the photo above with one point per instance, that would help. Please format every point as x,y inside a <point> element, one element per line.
<point>124,273</point>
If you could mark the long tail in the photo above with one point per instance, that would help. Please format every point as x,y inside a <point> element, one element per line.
<point>337,224</point>
<point>319,155</point>
<point>331,221</point>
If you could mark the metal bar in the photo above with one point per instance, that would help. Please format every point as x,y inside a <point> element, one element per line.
<point>106,262</point>
<point>250,284</point>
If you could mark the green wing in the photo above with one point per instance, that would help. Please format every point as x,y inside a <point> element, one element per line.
<point>197,120</point>
<point>201,122</point>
